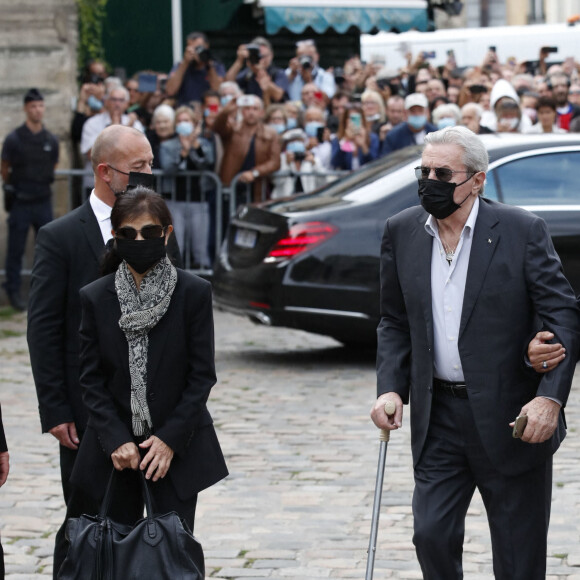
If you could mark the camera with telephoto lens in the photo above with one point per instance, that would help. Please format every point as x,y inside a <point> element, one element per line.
<point>203,54</point>
<point>254,55</point>
<point>305,61</point>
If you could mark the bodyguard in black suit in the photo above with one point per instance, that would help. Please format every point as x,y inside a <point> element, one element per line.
<point>4,469</point>
<point>67,255</point>
<point>460,290</point>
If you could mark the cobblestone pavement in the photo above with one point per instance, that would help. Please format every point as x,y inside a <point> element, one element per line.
<point>291,410</point>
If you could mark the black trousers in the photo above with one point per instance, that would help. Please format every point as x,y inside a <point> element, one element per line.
<point>452,465</point>
<point>21,217</point>
<point>126,507</point>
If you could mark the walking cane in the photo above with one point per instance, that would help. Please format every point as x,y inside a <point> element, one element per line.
<point>384,439</point>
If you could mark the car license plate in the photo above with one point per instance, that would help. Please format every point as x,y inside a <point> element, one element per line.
<point>245,238</point>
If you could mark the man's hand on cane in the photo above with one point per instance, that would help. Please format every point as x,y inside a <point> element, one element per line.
<point>379,416</point>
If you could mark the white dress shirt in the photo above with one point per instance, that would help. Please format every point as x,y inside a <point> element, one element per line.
<point>447,290</point>
<point>103,214</point>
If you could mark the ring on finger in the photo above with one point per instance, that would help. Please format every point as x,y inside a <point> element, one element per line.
<point>545,365</point>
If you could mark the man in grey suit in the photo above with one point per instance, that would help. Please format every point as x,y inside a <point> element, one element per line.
<point>462,281</point>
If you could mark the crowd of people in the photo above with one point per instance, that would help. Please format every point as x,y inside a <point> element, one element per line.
<point>282,130</point>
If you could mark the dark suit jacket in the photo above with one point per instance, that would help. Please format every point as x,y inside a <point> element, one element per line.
<point>66,258</point>
<point>180,375</point>
<point>402,136</point>
<point>514,273</point>
<point>3,446</point>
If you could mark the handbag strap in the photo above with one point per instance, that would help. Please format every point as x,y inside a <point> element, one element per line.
<point>105,504</point>
<point>108,495</point>
<point>151,525</point>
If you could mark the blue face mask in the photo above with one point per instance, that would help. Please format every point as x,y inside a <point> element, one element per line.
<point>184,128</point>
<point>417,121</point>
<point>94,103</point>
<point>226,99</point>
<point>279,127</point>
<point>296,147</point>
<point>312,128</point>
<point>291,123</point>
<point>446,122</point>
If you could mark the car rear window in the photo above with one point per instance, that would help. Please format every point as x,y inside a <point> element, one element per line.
<point>548,179</point>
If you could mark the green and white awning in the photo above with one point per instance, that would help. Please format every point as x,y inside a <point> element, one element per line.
<point>366,15</point>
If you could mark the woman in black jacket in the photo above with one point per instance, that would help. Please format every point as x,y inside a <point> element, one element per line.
<point>147,369</point>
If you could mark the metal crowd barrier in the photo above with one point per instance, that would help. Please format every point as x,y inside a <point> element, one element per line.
<point>224,201</point>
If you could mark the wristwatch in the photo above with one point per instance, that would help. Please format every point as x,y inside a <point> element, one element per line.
<point>255,173</point>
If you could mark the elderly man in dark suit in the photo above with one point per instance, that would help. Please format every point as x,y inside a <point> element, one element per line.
<point>4,469</point>
<point>66,258</point>
<point>415,127</point>
<point>462,281</point>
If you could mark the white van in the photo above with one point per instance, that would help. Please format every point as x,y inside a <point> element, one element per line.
<point>471,44</point>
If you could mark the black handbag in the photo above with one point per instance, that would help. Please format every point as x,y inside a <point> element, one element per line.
<point>156,547</point>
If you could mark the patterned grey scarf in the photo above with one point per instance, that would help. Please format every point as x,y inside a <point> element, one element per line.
<point>141,310</point>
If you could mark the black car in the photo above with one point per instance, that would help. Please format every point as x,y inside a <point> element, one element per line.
<point>312,262</point>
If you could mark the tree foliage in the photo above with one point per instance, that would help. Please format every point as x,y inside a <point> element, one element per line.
<point>91,14</point>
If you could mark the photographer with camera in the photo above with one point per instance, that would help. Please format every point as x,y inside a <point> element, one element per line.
<point>197,73</point>
<point>304,69</point>
<point>299,162</point>
<point>259,76</point>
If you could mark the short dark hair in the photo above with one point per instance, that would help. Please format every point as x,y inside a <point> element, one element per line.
<point>340,94</point>
<point>507,105</point>
<point>546,102</point>
<point>210,93</point>
<point>138,202</point>
<point>132,204</point>
<point>196,35</point>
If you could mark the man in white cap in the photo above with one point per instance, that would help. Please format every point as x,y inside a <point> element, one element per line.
<point>416,126</point>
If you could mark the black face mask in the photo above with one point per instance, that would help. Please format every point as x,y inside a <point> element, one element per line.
<point>437,197</point>
<point>136,179</point>
<point>141,254</point>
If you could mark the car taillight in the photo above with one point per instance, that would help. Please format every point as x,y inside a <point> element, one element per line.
<point>301,237</point>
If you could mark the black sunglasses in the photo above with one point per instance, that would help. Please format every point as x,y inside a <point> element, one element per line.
<point>148,232</point>
<point>441,173</point>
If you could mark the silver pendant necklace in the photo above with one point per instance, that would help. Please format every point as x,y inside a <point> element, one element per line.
<point>449,252</point>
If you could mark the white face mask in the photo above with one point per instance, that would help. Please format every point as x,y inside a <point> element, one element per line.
<point>510,124</point>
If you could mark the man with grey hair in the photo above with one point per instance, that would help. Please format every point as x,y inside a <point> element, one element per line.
<point>462,280</point>
<point>471,114</point>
